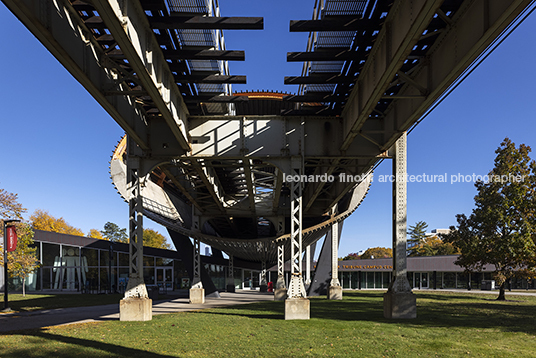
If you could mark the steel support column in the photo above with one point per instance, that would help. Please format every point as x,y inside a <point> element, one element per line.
<point>197,292</point>
<point>308,265</point>
<point>296,305</point>
<point>136,285</point>
<point>335,288</point>
<point>230,275</point>
<point>197,265</point>
<point>280,292</point>
<point>264,283</point>
<point>136,305</point>
<point>399,301</point>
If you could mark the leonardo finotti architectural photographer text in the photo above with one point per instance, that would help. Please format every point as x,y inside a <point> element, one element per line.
<point>409,178</point>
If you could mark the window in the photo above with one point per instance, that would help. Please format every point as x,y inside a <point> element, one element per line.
<point>449,280</point>
<point>91,255</point>
<point>51,254</point>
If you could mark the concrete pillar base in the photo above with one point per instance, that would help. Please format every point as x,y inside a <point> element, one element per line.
<point>280,294</point>
<point>263,288</point>
<point>136,309</point>
<point>230,288</point>
<point>399,305</point>
<point>197,295</point>
<point>335,293</point>
<point>297,308</point>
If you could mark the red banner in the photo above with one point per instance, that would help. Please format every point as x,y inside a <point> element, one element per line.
<point>11,238</point>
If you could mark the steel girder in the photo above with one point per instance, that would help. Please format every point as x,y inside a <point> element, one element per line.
<point>59,28</point>
<point>273,140</point>
<point>130,28</point>
<point>263,248</point>
<point>468,34</point>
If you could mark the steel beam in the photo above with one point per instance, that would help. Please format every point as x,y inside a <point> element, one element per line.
<point>402,29</point>
<point>328,54</point>
<point>321,97</point>
<point>278,185</point>
<point>213,98</point>
<point>128,24</point>
<point>206,22</point>
<point>272,136</point>
<point>215,79</point>
<point>59,28</point>
<point>251,187</point>
<point>211,184</point>
<point>332,23</point>
<point>319,78</point>
<point>205,54</point>
<point>473,29</point>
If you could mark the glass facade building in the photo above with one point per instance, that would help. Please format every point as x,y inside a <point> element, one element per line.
<point>430,272</point>
<point>80,264</point>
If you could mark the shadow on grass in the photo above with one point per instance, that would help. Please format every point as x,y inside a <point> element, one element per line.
<point>76,347</point>
<point>54,301</point>
<point>433,310</point>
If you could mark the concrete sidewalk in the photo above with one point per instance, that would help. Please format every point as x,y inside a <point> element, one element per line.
<point>61,316</point>
<point>479,291</point>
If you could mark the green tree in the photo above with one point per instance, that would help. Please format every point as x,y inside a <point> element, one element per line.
<point>417,234</point>
<point>501,229</point>
<point>114,233</point>
<point>377,253</point>
<point>23,261</point>
<point>42,220</point>
<point>152,238</point>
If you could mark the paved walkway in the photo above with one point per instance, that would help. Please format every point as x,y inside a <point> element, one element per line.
<point>494,292</point>
<point>61,316</point>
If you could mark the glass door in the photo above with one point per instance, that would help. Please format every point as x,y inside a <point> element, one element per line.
<point>164,278</point>
<point>424,279</point>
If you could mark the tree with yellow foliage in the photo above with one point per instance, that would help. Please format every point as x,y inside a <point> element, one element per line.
<point>152,238</point>
<point>42,220</point>
<point>10,208</point>
<point>96,234</point>
<point>377,253</point>
<point>23,261</point>
<point>433,246</point>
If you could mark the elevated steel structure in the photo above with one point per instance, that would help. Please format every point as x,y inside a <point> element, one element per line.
<point>212,164</point>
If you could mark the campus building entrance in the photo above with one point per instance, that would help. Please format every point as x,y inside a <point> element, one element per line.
<point>164,278</point>
<point>421,280</point>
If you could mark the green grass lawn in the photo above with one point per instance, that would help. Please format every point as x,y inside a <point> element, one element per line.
<point>448,325</point>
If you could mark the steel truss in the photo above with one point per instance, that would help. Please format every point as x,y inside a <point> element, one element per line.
<point>296,287</point>
<point>136,285</point>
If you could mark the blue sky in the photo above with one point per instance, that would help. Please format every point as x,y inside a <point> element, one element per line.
<point>56,141</point>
